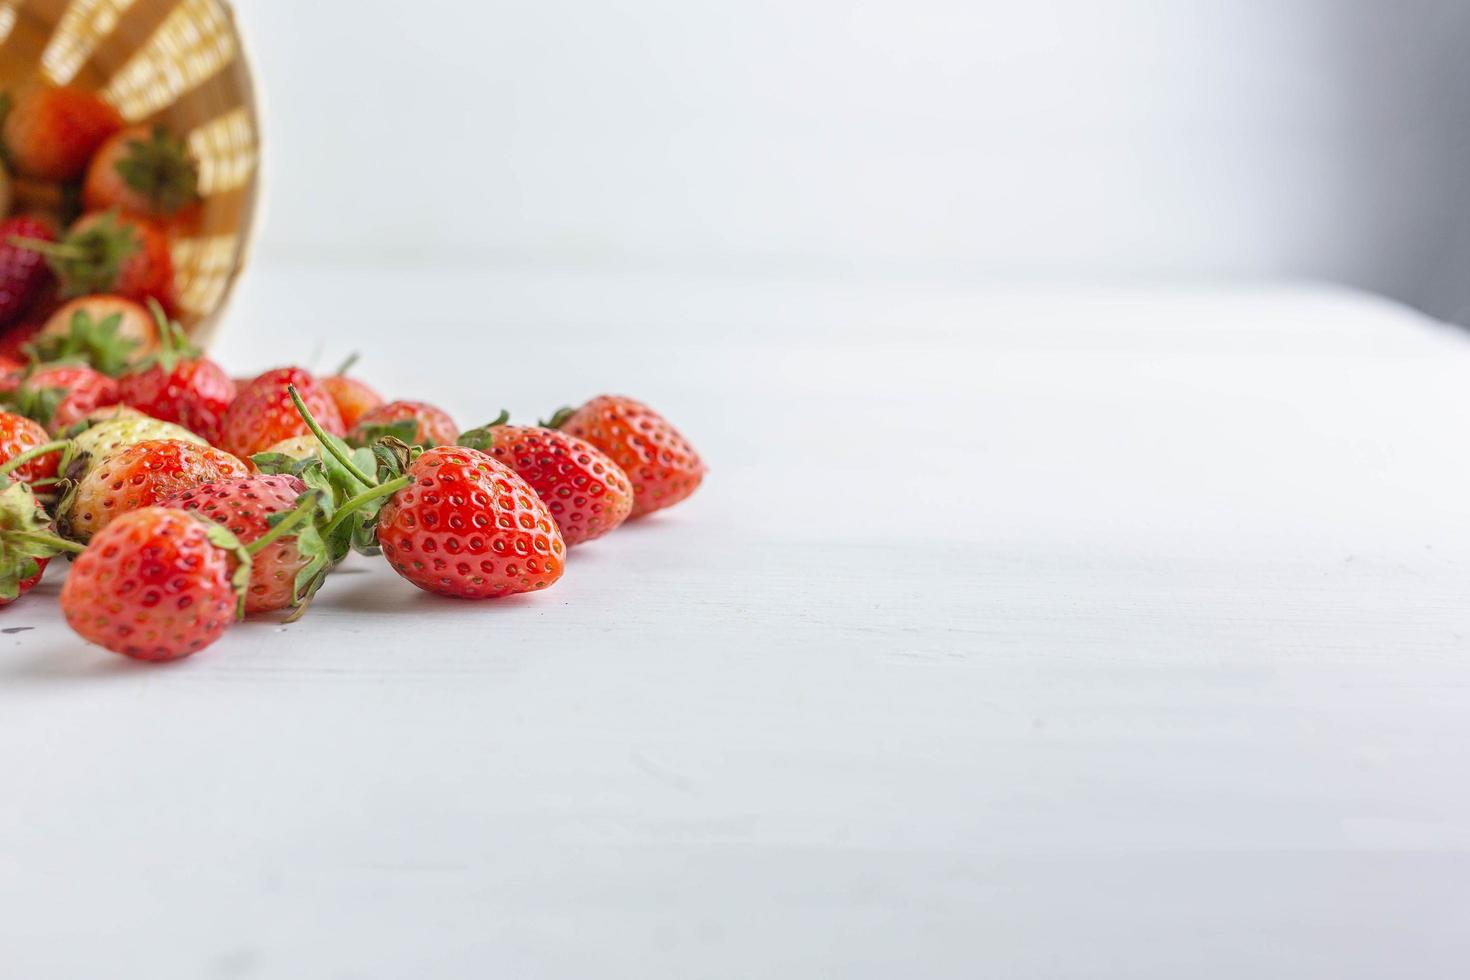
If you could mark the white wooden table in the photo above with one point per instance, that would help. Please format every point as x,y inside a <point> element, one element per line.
<point>1050,633</point>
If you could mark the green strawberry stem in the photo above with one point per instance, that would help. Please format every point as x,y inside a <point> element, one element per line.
<point>351,505</point>
<point>328,443</point>
<point>30,454</point>
<point>42,538</point>
<point>306,506</point>
<point>347,364</point>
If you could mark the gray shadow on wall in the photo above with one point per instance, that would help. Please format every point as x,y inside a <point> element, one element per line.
<point>1406,122</point>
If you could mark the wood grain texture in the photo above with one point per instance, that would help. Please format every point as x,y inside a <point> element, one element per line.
<point>1026,633</point>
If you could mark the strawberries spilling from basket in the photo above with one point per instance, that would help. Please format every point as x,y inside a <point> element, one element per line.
<point>188,499</point>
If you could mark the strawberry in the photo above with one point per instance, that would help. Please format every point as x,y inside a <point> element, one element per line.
<point>661,463</point>
<point>105,252</point>
<point>247,506</point>
<point>157,584</point>
<point>142,171</point>
<point>10,370</point>
<point>354,399</point>
<point>23,272</point>
<point>137,476</point>
<point>19,437</point>
<point>467,526</point>
<point>108,332</point>
<point>416,423</point>
<point>179,384</point>
<point>51,133</point>
<point>587,493</point>
<point>58,395</point>
<point>450,520</point>
<point>26,542</point>
<point>263,414</point>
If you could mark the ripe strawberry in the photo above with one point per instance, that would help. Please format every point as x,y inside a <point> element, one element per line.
<point>179,384</point>
<point>105,252</point>
<point>10,368</point>
<point>51,133</point>
<point>661,463</point>
<point>416,423</point>
<point>587,493</point>
<point>469,527</point>
<point>23,272</point>
<point>18,435</point>
<point>108,332</point>
<point>451,520</point>
<point>156,584</point>
<point>245,506</point>
<point>140,475</point>
<point>26,542</point>
<point>354,399</point>
<point>58,395</point>
<point>263,413</point>
<point>144,172</point>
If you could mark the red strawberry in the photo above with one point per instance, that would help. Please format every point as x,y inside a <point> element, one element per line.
<point>105,252</point>
<point>156,584</point>
<point>18,435</point>
<point>23,272</point>
<point>263,413</point>
<point>11,369</point>
<point>416,423</point>
<point>51,133</point>
<point>60,394</point>
<point>245,506</point>
<point>109,332</point>
<point>587,493</point>
<point>179,385</point>
<point>140,475</point>
<point>354,399</point>
<point>469,527</point>
<point>661,463</point>
<point>142,171</point>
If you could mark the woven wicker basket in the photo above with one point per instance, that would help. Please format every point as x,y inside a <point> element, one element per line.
<point>177,62</point>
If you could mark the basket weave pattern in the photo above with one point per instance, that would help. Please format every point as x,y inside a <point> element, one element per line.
<point>175,62</point>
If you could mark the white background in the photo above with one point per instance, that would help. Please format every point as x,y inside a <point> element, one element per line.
<point>1095,139</point>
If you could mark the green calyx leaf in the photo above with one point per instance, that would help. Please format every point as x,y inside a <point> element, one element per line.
<point>559,417</point>
<point>88,341</point>
<point>34,401</point>
<point>402,430</point>
<point>272,463</point>
<point>481,437</point>
<point>88,261</point>
<point>221,537</point>
<point>25,537</point>
<point>173,343</point>
<point>161,169</point>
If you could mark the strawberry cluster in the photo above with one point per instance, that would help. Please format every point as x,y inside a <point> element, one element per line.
<point>89,206</point>
<point>188,500</point>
